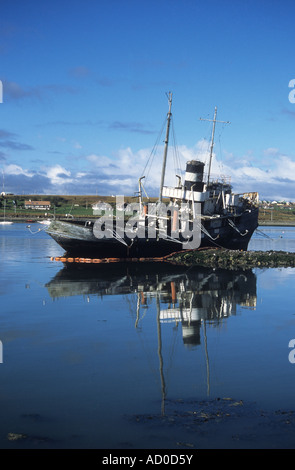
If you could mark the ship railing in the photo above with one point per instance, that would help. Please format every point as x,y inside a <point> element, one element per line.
<point>252,198</point>
<point>215,179</point>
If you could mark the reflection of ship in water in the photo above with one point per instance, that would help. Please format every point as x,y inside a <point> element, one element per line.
<point>186,296</point>
<point>192,298</point>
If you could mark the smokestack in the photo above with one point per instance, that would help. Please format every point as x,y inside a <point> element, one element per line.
<point>194,175</point>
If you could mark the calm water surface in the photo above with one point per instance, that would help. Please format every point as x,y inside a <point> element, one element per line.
<point>128,356</point>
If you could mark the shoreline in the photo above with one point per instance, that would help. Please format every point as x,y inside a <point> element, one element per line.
<point>276,223</point>
<point>233,259</point>
<point>219,257</point>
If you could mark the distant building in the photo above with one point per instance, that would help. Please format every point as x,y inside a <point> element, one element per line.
<point>41,205</point>
<point>100,206</point>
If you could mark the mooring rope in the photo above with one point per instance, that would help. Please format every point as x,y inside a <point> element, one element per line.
<point>39,229</point>
<point>236,228</point>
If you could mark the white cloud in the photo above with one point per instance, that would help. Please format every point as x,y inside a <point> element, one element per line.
<point>99,160</point>
<point>76,145</point>
<point>47,178</point>
<point>274,178</point>
<point>274,181</point>
<point>127,166</point>
<point>271,151</point>
<point>285,168</point>
<point>17,170</point>
<point>119,183</point>
<point>58,175</point>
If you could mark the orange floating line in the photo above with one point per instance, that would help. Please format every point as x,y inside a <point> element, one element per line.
<point>106,260</point>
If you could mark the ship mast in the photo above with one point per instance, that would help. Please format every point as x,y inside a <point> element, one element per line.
<point>166,146</point>
<point>212,138</point>
<point>212,143</point>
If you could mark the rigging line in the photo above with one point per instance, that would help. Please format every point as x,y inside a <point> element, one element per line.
<point>262,233</point>
<point>206,138</point>
<point>153,152</point>
<point>220,163</point>
<point>117,236</point>
<point>220,149</point>
<point>174,144</point>
<point>177,164</point>
<point>170,239</point>
<point>231,223</point>
<point>172,349</point>
<point>146,349</point>
<point>202,141</point>
<point>208,141</point>
<point>202,228</point>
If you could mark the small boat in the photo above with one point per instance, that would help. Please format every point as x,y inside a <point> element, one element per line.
<point>45,222</point>
<point>199,212</point>
<point>4,221</point>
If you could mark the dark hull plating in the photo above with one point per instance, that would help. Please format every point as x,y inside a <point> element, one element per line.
<point>81,242</point>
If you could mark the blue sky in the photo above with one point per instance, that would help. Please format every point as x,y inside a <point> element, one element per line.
<point>85,83</point>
